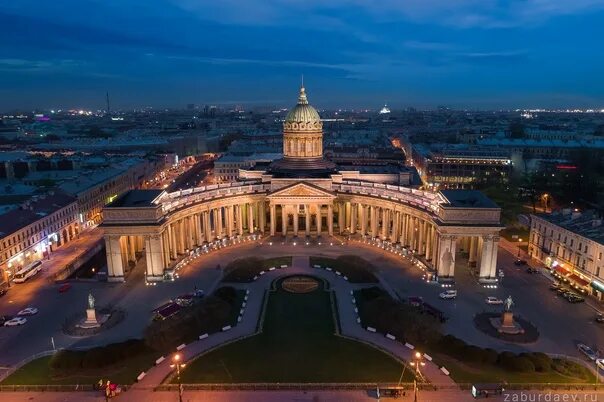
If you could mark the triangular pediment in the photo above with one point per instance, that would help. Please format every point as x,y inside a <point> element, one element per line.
<point>302,190</point>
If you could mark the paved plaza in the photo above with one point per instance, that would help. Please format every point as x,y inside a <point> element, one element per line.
<point>561,324</point>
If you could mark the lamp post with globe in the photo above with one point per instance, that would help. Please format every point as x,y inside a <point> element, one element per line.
<point>178,365</point>
<point>418,361</point>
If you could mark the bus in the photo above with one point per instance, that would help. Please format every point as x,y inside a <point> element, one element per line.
<point>27,272</point>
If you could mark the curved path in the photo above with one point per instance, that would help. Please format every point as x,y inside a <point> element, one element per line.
<point>248,324</point>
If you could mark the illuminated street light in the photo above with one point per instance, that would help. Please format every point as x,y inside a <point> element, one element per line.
<point>178,365</point>
<point>417,362</point>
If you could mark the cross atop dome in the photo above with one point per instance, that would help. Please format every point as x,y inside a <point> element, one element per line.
<point>302,99</point>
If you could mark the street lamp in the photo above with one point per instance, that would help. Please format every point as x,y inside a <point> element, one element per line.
<point>519,241</point>
<point>417,362</point>
<point>178,365</point>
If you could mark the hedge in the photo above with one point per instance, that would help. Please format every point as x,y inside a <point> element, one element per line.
<point>99,357</point>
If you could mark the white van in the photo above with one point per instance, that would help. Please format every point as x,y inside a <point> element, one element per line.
<point>448,294</point>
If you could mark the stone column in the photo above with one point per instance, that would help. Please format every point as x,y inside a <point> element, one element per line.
<point>154,254</point>
<point>115,269</point>
<point>273,219</point>
<point>180,238</point>
<point>472,252</point>
<point>166,248</point>
<point>240,219</point>
<point>283,221</point>
<point>206,226</point>
<point>429,241</point>
<point>435,249</point>
<point>198,235</point>
<point>353,218</point>
<point>230,221</point>
<point>396,221</point>
<point>488,259</point>
<point>384,223</point>
<point>262,216</point>
<point>307,213</point>
<point>374,232</point>
<point>363,220</point>
<point>330,219</point>
<point>219,225</point>
<point>172,235</point>
<point>250,218</point>
<point>319,220</point>
<point>404,240</point>
<point>420,243</point>
<point>341,217</point>
<point>297,208</point>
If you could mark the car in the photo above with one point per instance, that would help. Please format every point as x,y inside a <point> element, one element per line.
<point>5,318</point>
<point>27,311</point>
<point>520,262</point>
<point>15,321</point>
<point>575,299</point>
<point>3,291</point>
<point>599,318</point>
<point>530,270</point>
<point>64,287</point>
<point>493,300</point>
<point>448,294</point>
<point>415,301</point>
<point>587,351</point>
<point>555,286</point>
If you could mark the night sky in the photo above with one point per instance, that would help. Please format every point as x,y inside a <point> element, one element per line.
<point>359,53</point>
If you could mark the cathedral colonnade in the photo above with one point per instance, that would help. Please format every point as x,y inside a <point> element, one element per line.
<point>169,230</point>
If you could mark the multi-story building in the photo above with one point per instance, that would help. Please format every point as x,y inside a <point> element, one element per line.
<point>226,169</point>
<point>571,244</point>
<point>34,229</point>
<point>95,189</point>
<point>459,167</point>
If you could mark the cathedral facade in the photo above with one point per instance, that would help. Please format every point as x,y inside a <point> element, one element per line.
<point>303,196</point>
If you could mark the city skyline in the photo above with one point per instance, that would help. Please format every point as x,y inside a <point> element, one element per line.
<point>480,55</point>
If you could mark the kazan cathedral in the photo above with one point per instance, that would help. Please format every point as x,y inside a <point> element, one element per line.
<point>306,198</point>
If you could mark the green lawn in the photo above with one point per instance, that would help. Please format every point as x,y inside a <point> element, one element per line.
<point>39,372</point>
<point>297,344</point>
<point>355,268</point>
<point>510,232</point>
<point>467,373</point>
<point>245,269</point>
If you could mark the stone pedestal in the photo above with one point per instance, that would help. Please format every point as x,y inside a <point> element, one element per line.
<point>506,324</point>
<point>91,321</point>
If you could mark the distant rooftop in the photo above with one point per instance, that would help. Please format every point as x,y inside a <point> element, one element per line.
<point>135,198</point>
<point>468,199</point>
<point>32,210</point>
<point>587,224</point>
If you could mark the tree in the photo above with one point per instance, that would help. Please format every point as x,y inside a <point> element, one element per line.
<point>517,129</point>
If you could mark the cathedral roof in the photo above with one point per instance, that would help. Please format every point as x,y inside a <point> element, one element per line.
<point>303,116</point>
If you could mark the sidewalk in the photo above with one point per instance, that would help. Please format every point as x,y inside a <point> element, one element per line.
<point>66,254</point>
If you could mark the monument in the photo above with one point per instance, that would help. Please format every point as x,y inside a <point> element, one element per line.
<point>506,323</point>
<point>91,320</point>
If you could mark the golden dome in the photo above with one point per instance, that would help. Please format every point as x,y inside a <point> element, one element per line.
<point>302,117</point>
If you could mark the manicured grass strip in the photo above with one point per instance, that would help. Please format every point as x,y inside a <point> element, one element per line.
<point>245,269</point>
<point>40,372</point>
<point>355,268</point>
<point>297,344</point>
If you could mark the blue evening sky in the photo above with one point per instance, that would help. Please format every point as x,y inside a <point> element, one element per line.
<point>353,53</point>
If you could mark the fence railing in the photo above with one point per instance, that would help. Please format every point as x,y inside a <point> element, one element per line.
<point>23,362</point>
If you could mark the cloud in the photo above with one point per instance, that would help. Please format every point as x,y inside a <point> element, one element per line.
<point>457,13</point>
<point>27,66</point>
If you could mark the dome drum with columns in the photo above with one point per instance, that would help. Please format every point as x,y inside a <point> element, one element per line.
<point>302,144</point>
<point>303,196</point>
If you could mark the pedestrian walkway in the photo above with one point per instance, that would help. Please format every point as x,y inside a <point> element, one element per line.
<point>348,325</point>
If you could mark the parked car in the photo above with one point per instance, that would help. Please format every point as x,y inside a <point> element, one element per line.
<point>448,294</point>
<point>493,300</point>
<point>555,286</point>
<point>574,298</point>
<point>27,311</point>
<point>530,270</point>
<point>5,318</point>
<point>415,301</point>
<point>587,351</point>
<point>64,287</point>
<point>15,321</point>
<point>3,291</point>
<point>599,318</point>
<point>520,262</point>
